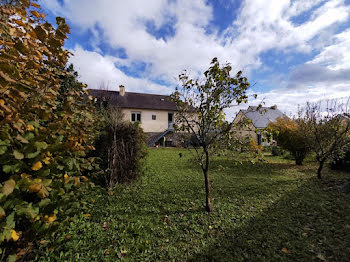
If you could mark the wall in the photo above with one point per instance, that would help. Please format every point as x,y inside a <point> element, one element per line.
<point>248,130</point>
<point>149,125</point>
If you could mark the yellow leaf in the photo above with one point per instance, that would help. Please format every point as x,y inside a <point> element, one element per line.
<point>46,160</point>
<point>37,166</point>
<point>14,235</point>
<point>30,127</point>
<point>52,218</point>
<point>86,215</point>
<point>2,102</point>
<point>34,188</point>
<point>43,192</point>
<point>8,187</point>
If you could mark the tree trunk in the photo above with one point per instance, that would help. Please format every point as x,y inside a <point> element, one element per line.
<point>298,162</point>
<point>319,170</point>
<point>207,191</point>
<point>299,158</point>
<point>207,183</point>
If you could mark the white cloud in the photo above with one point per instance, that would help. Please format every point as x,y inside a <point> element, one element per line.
<point>99,70</point>
<point>337,55</point>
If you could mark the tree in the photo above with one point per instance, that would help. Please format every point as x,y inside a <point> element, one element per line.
<point>201,105</point>
<point>292,135</point>
<point>46,121</point>
<point>330,129</point>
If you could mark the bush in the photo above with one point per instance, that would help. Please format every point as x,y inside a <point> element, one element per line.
<point>276,150</point>
<point>342,161</point>
<point>121,148</point>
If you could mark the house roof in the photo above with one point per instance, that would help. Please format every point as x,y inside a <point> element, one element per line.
<point>263,116</point>
<point>135,100</point>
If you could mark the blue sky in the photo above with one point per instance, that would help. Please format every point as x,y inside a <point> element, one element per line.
<point>292,51</point>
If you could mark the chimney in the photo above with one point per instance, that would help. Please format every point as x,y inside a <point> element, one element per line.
<point>122,90</point>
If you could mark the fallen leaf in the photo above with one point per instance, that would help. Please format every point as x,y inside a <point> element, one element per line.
<point>285,250</point>
<point>86,215</point>
<point>320,257</point>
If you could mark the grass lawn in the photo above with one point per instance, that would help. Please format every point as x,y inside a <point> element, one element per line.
<point>271,211</point>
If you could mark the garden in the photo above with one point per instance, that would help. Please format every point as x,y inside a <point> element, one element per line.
<point>268,211</point>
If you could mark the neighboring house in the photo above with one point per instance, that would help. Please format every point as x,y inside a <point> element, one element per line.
<point>155,113</point>
<point>252,122</point>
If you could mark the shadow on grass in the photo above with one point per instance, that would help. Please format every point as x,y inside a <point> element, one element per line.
<point>309,223</point>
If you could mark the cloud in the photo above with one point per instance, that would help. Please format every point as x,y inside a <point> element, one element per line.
<point>100,71</point>
<point>260,26</point>
<point>192,40</point>
<point>313,74</point>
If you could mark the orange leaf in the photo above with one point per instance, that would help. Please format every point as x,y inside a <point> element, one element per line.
<point>30,127</point>
<point>35,5</point>
<point>285,250</point>
<point>37,166</point>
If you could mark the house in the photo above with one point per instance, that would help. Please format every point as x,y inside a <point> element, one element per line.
<point>252,122</point>
<point>155,113</point>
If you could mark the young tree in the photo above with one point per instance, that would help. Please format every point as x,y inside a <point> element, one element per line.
<point>201,105</point>
<point>330,128</point>
<point>293,136</point>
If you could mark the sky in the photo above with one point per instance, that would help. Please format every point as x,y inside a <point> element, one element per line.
<point>291,51</point>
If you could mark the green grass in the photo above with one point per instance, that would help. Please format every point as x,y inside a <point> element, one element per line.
<point>259,209</point>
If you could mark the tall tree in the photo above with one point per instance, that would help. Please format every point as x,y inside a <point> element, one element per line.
<point>201,104</point>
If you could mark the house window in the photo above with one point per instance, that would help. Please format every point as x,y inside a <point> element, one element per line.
<point>259,139</point>
<point>170,117</point>
<point>135,116</point>
<point>154,117</point>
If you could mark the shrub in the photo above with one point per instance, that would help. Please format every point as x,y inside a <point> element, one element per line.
<point>121,148</point>
<point>342,161</point>
<point>276,150</point>
<point>254,147</point>
<point>45,129</point>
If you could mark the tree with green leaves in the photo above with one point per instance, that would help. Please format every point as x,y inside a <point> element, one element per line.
<point>46,122</point>
<point>201,105</point>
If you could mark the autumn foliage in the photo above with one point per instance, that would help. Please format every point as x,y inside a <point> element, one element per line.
<point>45,128</point>
<point>292,135</point>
